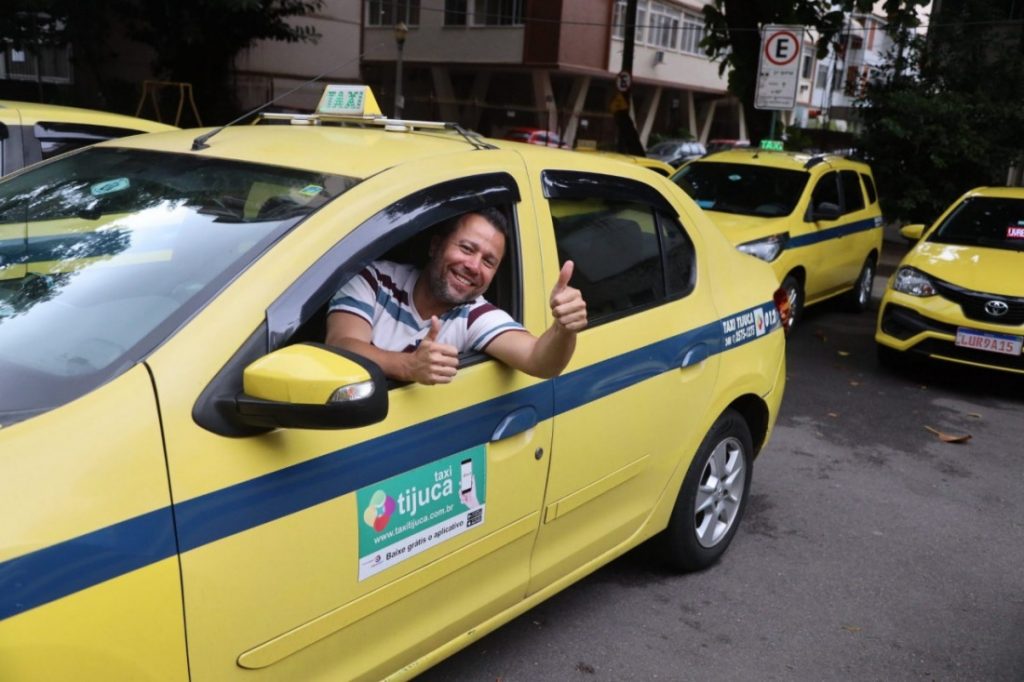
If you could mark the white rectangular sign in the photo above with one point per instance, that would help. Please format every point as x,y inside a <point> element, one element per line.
<point>778,73</point>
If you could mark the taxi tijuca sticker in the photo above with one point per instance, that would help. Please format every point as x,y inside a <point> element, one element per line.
<point>419,509</point>
<point>749,324</point>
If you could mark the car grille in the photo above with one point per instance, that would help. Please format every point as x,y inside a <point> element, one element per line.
<point>902,323</point>
<point>973,304</point>
<point>950,350</point>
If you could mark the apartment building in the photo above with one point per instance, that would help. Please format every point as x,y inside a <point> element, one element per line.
<point>497,64</point>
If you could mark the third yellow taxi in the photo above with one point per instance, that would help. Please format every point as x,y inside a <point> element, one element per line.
<point>194,486</point>
<point>815,218</point>
<point>31,132</point>
<point>958,295</point>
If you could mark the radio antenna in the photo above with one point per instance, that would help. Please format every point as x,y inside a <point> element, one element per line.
<point>200,142</point>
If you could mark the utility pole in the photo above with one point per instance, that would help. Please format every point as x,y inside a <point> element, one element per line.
<point>629,139</point>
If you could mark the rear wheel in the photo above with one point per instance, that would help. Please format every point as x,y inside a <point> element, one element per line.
<point>795,295</point>
<point>713,496</point>
<point>858,299</point>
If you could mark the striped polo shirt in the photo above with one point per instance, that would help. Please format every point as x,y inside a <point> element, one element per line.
<point>382,295</point>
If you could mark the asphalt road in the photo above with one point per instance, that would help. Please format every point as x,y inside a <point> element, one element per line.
<point>871,549</point>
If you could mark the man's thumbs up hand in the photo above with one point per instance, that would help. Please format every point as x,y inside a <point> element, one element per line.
<point>433,362</point>
<point>567,304</point>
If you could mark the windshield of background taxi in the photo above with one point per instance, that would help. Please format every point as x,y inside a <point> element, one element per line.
<point>743,189</point>
<point>105,252</point>
<point>991,222</point>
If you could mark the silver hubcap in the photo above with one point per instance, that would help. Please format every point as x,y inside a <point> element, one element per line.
<point>864,286</point>
<point>719,492</point>
<point>793,295</point>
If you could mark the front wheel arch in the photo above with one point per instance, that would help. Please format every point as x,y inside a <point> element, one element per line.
<point>713,496</point>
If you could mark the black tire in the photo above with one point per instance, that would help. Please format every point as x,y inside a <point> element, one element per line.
<point>795,293</point>
<point>713,496</point>
<point>858,299</point>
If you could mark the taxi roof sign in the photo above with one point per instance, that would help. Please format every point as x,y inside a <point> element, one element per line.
<point>772,145</point>
<point>349,100</point>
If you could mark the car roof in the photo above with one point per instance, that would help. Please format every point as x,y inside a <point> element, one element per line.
<point>997,192</point>
<point>342,150</point>
<point>32,113</point>
<point>800,161</point>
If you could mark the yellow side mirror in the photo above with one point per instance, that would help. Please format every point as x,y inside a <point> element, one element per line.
<point>312,386</point>
<point>912,232</point>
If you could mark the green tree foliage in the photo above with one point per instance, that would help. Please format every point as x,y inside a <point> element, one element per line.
<point>193,41</point>
<point>734,37</point>
<point>196,41</point>
<point>947,114</point>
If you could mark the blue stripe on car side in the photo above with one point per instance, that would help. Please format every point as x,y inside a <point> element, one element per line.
<point>832,233</point>
<point>57,571</point>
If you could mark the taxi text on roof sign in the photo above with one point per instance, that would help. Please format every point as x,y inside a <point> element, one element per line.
<point>771,145</point>
<point>348,100</point>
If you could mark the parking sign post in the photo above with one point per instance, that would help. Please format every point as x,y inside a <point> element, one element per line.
<point>778,67</point>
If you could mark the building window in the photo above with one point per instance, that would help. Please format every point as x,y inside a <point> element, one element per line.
<point>661,25</point>
<point>693,33</point>
<point>391,12</point>
<point>454,12</point>
<point>808,66</point>
<point>663,30</point>
<point>497,12</point>
<point>43,63</point>
<point>822,77</point>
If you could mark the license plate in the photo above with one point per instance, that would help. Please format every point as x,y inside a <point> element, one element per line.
<point>987,341</point>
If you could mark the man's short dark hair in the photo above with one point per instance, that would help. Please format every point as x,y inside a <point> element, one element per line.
<point>495,216</point>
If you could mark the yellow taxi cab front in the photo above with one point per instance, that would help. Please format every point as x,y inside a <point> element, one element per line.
<point>31,132</point>
<point>816,219</point>
<point>958,295</point>
<point>195,487</point>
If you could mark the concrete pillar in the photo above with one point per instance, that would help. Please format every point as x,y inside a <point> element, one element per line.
<point>445,93</point>
<point>544,97</point>
<point>648,113</point>
<point>691,116</point>
<point>481,82</point>
<point>577,97</point>
<point>709,116</point>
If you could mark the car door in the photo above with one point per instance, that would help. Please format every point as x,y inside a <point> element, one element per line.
<point>345,554</point>
<point>630,405</point>
<point>861,229</point>
<point>823,247</point>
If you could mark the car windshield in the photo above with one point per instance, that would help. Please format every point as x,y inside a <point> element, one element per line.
<point>992,222</point>
<point>105,252</point>
<point>741,188</point>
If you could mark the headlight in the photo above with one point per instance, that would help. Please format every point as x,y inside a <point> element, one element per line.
<point>914,282</point>
<point>767,249</point>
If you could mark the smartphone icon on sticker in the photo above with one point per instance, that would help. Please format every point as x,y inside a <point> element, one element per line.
<point>467,476</point>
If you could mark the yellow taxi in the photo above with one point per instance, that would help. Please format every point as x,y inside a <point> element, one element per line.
<point>195,487</point>
<point>958,295</point>
<point>815,218</point>
<point>659,167</point>
<point>32,132</point>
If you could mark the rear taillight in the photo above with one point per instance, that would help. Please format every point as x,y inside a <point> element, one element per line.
<point>781,299</point>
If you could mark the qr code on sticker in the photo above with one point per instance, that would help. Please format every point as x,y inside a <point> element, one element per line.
<point>474,517</point>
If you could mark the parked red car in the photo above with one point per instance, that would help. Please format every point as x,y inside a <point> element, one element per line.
<point>545,138</point>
